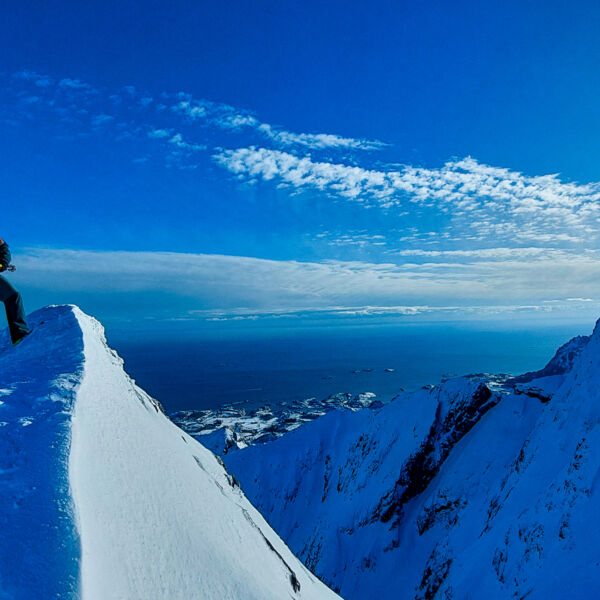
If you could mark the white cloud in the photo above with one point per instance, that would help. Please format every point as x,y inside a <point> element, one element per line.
<point>466,201</point>
<point>74,84</point>
<point>101,119</point>
<point>479,199</point>
<point>317,141</point>
<point>217,285</point>
<point>354,183</point>
<point>227,117</point>
<point>39,80</point>
<point>178,141</point>
<point>196,111</point>
<point>77,95</point>
<point>236,121</point>
<point>352,238</point>
<point>157,134</point>
<point>533,253</point>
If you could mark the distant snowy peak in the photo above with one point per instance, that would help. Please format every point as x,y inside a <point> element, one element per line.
<point>543,384</point>
<point>105,498</point>
<point>562,362</point>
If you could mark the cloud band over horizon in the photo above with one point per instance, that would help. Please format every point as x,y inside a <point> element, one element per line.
<point>217,287</point>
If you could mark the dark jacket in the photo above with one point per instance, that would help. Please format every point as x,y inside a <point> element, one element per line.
<point>4,255</point>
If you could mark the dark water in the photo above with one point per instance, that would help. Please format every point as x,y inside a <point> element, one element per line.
<point>194,372</point>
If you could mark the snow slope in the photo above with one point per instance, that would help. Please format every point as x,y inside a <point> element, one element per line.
<point>450,492</point>
<point>38,381</point>
<point>133,508</point>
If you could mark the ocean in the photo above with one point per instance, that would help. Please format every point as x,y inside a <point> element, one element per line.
<point>266,367</point>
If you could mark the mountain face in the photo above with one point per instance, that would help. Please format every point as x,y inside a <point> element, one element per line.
<point>105,498</point>
<point>462,490</point>
<point>467,490</point>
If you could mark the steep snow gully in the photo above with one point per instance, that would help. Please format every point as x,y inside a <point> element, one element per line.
<point>104,498</point>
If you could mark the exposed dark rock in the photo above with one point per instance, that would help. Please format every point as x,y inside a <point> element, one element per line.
<point>533,392</point>
<point>448,427</point>
<point>434,575</point>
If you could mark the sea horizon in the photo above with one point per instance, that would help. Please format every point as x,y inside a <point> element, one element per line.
<point>199,370</point>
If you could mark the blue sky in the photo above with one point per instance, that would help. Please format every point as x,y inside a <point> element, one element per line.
<point>255,161</point>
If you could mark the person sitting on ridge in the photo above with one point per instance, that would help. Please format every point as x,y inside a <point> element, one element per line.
<point>13,303</point>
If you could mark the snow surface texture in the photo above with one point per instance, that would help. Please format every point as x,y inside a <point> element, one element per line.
<point>38,378</point>
<point>158,517</point>
<point>451,492</point>
<point>232,427</point>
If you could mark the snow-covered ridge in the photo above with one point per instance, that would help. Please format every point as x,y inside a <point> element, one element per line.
<point>39,546</point>
<point>105,498</point>
<point>453,491</point>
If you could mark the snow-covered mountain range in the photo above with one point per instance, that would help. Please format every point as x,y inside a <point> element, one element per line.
<point>232,427</point>
<point>475,488</point>
<point>479,487</point>
<point>103,497</point>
